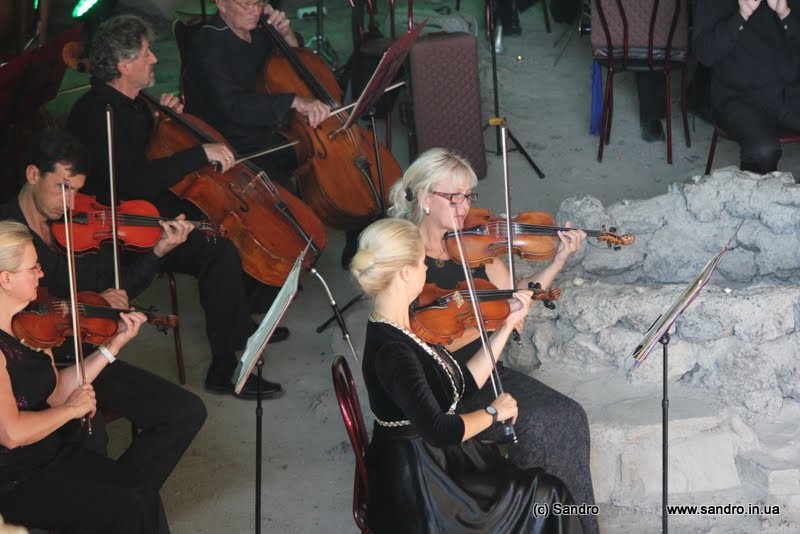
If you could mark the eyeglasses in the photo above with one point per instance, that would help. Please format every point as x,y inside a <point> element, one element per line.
<point>250,5</point>
<point>36,269</point>
<point>456,198</point>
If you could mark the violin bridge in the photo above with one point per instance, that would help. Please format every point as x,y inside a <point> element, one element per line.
<point>458,299</point>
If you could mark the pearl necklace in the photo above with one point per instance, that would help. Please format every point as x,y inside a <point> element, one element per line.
<point>377,318</point>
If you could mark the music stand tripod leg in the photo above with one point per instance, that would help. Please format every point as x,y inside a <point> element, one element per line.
<point>500,122</point>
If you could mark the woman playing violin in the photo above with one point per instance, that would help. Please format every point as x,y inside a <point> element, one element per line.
<point>426,471</point>
<point>44,481</point>
<point>553,430</point>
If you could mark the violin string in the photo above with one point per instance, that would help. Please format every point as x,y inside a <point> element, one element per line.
<point>539,229</point>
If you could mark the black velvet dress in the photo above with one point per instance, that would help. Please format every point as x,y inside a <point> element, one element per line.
<point>422,478</point>
<point>51,484</point>
<point>552,429</point>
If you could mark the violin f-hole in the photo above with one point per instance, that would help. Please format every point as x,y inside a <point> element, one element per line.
<point>237,192</point>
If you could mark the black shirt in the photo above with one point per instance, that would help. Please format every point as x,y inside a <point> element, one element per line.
<point>754,60</point>
<point>136,176</point>
<point>220,81</point>
<point>94,271</point>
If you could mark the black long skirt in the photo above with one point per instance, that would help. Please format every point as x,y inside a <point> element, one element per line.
<point>418,488</point>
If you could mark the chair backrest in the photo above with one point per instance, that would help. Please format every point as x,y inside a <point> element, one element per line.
<point>184,32</point>
<point>347,397</point>
<point>652,30</point>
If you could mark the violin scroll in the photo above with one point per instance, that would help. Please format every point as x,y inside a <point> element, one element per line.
<point>613,240</point>
<point>547,296</point>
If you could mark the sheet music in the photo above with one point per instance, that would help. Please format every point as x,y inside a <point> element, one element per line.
<point>667,319</point>
<point>258,341</point>
<point>390,63</point>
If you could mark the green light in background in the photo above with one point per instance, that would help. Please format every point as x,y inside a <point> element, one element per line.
<point>82,7</point>
<point>35,4</point>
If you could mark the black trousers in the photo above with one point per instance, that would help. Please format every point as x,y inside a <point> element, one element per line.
<point>650,87</point>
<point>755,128</point>
<point>168,418</point>
<point>82,491</point>
<point>218,269</point>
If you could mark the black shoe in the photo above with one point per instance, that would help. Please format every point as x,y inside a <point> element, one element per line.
<point>281,333</point>
<point>652,131</point>
<point>269,390</point>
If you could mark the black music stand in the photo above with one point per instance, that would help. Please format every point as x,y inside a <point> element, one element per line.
<point>659,334</point>
<point>253,357</point>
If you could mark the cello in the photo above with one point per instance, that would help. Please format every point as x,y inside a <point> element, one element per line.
<point>338,172</point>
<point>269,226</point>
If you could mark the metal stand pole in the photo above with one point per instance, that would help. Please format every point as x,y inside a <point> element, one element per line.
<point>259,417</point>
<point>665,436</point>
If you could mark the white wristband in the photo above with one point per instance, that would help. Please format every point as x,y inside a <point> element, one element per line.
<point>107,353</point>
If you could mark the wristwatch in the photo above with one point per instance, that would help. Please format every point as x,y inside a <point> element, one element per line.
<point>491,410</point>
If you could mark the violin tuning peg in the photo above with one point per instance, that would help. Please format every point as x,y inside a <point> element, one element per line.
<point>549,305</point>
<point>613,229</point>
<point>617,247</point>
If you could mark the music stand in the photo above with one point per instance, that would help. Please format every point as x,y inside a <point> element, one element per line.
<point>659,333</point>
<point>390,63</point>
<point>253,356</point>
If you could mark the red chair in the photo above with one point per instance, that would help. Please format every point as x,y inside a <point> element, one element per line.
<point>785,137</point>
<point>640,35</point>
<point>350,407</point>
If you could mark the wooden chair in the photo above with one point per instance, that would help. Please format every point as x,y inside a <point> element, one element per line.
<point>640,35</point>
<point>176,332</point>
<point>353,419</point>
<point>785,137</point>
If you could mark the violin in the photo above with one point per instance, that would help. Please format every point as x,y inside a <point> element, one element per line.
<point>137,225</point>
<point>338,172</point>
<point>46,321</point>
<point>535,237</point>
<point>441,316</point>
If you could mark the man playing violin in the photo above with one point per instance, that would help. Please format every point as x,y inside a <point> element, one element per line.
<point>122,66</point>
<point>225,60</point>
<point>436,193</point>
<point>168,416</point>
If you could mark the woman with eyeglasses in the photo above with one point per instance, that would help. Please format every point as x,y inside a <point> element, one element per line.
<point>553,430</point>
<point>46,482</point>
<point>427,472</point>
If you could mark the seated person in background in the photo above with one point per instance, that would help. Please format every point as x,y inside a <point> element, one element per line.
<point>122,66</point>
<point>226,58</point>
<point>168,417</point>
<point>553,429</point>
<point>753,49</point>
<point>427,472</point>
<point>650,86</point>
<point>45,482</point>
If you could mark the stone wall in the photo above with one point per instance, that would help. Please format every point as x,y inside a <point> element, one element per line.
<point>734,351</point>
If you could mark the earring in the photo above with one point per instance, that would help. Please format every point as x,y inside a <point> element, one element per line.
<point>427,210</point>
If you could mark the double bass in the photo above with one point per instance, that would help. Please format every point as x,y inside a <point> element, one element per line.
<point>338,173</point>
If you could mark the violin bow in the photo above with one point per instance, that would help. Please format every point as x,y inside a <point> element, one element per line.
<point>512,272</point>
<point>73,293</point>
<point>494,376</point>
<point>112,193</point>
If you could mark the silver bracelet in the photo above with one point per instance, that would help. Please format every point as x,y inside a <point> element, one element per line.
<point>107,353</point>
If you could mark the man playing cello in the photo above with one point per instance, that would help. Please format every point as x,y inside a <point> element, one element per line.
<point>122,66</point>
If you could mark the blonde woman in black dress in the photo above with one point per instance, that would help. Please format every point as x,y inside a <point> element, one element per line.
<point>46,482</point>
<point>427,472</point>
<point>553,429</point>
